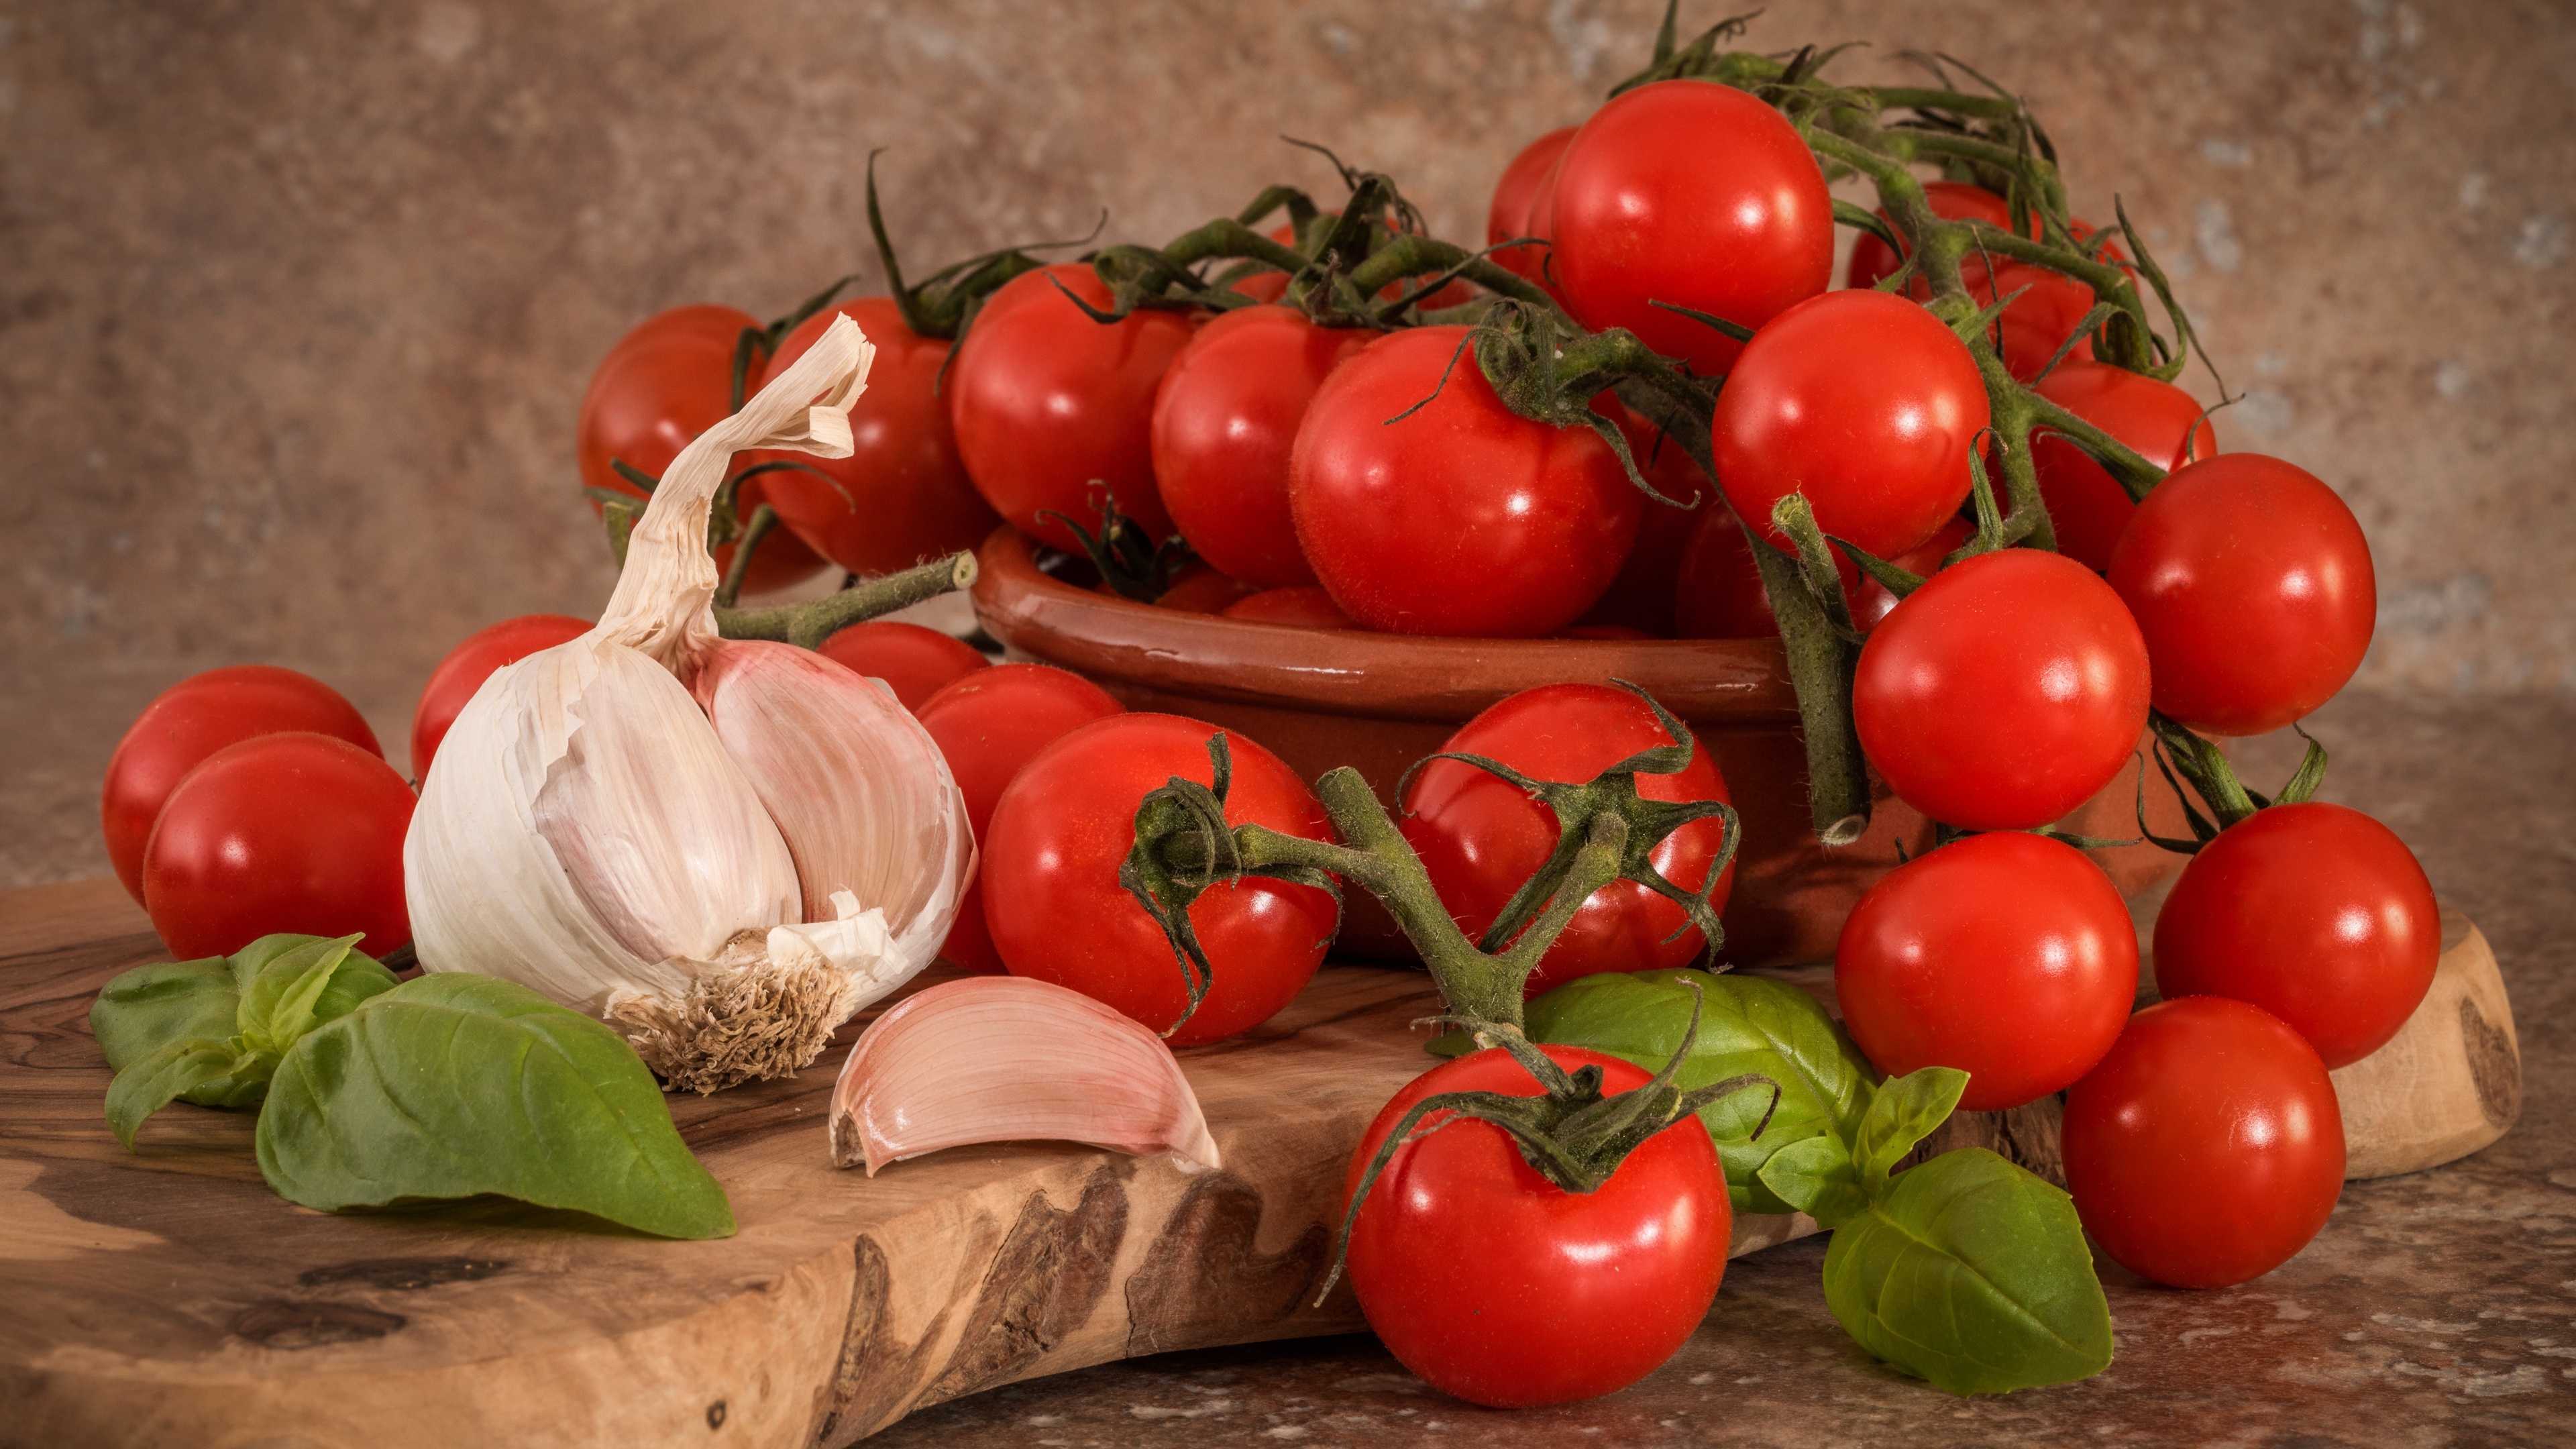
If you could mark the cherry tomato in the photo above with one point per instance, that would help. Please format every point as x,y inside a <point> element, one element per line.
<point>1306,606</point>
<point>1480,837</point>
<point>1223,423</point>
<point>1873,261</point>
<point>284,832</point>
<point>987,724</point>
<point>1525,185</point>
<point>2253,585</point>
<point>1719,591</point>
<point>914,662</point>
<point>1047,403</point>
<point>661,385</point>
<point>1692,193</point>
<point>1199,589</point>
<point>1641,596</point>
<point>2316,913</point>
<point>901,496</point>
<point>1463,518</point>
<point>1501,1288</point>
<point>1863,402</point>
<point>467,665</point>
<point>2207,1148</point>
<point>2006,691</point>
<point>2038,321</point>
<point>1057,912</point>
<point>2009,956</point>
<point>2085,505</point>
<point>191,720</point>
<point>1870,600</point>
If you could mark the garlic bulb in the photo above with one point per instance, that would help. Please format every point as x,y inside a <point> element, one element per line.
<point>724,848</point>
<point>1011,1059</point>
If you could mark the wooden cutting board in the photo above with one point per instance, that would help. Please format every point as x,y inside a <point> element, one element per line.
<point>170,1297</point>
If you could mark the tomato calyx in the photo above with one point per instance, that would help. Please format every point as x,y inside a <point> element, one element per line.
<point>2179,751</point>
<point>1131,564</point>
<point>943,303</point>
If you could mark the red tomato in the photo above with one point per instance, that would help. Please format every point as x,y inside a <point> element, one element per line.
<point>1873,261</point>
<point>1462,519</point>
<point>988,723</point>
<point>2033,326</point>
<point>2253,585</point>
<point>1198,589</point>
<point>660,386</point>
<point>1870,600</point>
<point>1641,596</point>
<point>914,662</point>
<point>1306,606</point>
<point>1057,912</point>
<point>2005,692</point>
<point>1696,194</point>
<point>1047,402</point>
<point>2316,913</point>
<point>1480,837</point>
<point>191,720</point>
<point>1526,184</point>
<point>286,832</point>
<point>2086,506</point>
<point>901,496</point>
<point>2207,1148</point>
<point>1863,402</point>
<point>1501,1288</point>
<point>2009,956</point>
<point>467,665</point>
<point>1223,424</point>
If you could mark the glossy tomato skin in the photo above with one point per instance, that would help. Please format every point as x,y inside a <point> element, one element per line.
<point>1696,194</point>
<point>2316,913</point>
<point>914,662</point>
<point>192,720</point>
<point>2207,1148</point>
<point>1501,1288</point>
<point>1480,837</point>
<point>1045,401</point>
<point>1462,519</point>
<point>1057,912</point>
<point>987,724</point>
<point>284,832</point>
<point>1524,186</point>
<point>902,495</point>
<point>2009,956</point>
<point>2004,692</point>
<point>2086,506</point>
<point>1223,424</point>
<point>2253,585</point>
<point>1863,402</point>
<point>1870,600</point>
<point>467,665</point>
<point>662,384</point>
<point>1306,606</point>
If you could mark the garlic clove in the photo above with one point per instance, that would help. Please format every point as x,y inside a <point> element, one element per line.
<point>1010,1059</point>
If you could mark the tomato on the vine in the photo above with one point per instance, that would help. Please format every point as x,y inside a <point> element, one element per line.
<point>192,720</point>
<point>1641,595</point>
<point>1305,606</point>
<point>913,661</point>
<point>1502,1288</point>
<point>1524,187</point>
<point>1461,518</point>
<point>467,665</point>
<point>2157,420</point>
<point>1871,601</point>
<point>2051,304</point>
<point>1057,912</point>
<point>2207,1148</point>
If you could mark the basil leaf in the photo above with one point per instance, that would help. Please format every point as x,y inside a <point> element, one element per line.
<point>1816,1176</point>
<point>1747,1024</point>
<point>150,1007</point>
<point>1973,1274</point>
<point>455,1085</point>
<point>292,983</point>
<point>1906,1111</point>
<point>200,1065</point>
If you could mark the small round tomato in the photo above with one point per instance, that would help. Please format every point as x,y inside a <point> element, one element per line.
<point>1696,194</point>
<point>1481,837</point>
<point>1871,602</point>
<point>1718,592</point>
<point>1524,187</point>
<point>1304,607</point>
<point>914,662</point>
<point>190,721</point>
<point>1641,596</point>
<point>2207,1148</point>
<point>987,724</point>
<point>2316,913</point>
<point>2157,420</point>
<point>661,385</point>
<point>2038,321</point>
<point>1198,589</point>
<point>285,832</point>
<point>1057,912</point>
<point>1051,406</point>
<point>1463,518</point>
<point>1501,1288</point>
<point>1861,401</point>
<point>1873,261</point>
<point>2008,956</point>
<point>902,495</point>
<point>2004,692</point>
<point>2253,585</point>
<point>467,665</point>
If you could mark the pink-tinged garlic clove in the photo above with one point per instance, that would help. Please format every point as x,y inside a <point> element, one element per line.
<point>1011,1059</point>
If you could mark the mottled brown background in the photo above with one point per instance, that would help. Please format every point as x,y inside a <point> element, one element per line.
<point>297,300</point>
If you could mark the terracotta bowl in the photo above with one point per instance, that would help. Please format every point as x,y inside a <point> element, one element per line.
<point>1379,702</point>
